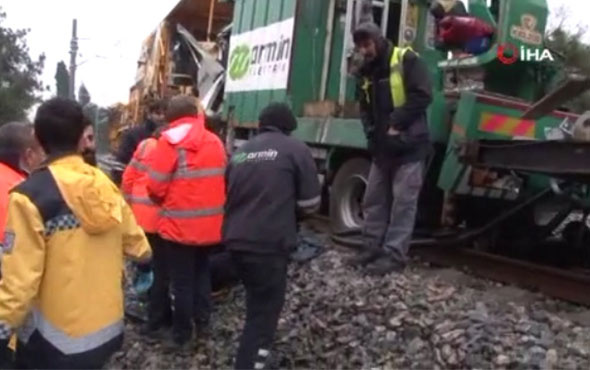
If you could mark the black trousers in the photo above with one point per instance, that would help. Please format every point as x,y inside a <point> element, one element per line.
<point>188,267</point>
<point>160,310</point>
<point>265,280</point>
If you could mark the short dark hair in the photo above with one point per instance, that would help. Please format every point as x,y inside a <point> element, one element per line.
<point>59,125</point>
<point>156,106</point>
<point>181,106</point>
<point>15,138</point>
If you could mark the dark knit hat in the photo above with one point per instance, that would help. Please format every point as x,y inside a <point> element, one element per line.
<point>368,30</point>
<point>278,115</point>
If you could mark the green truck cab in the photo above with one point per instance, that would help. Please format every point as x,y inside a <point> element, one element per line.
<point>296,51</point>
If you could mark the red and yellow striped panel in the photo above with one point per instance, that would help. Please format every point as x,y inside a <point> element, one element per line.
<point>506,125</point>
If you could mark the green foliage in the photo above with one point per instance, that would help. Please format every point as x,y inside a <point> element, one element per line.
<point>83,95</point>
<point>20,76</point>
<point>62,80</point>
<point>575,53</point>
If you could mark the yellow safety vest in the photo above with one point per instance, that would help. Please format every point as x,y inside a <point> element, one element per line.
<point>396,78</point>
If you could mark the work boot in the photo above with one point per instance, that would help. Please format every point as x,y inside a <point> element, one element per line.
<point>203,329</point>
<point>385,265</point>
<point>153,332</point>
<point>176,345</point>
<point>365,257</point>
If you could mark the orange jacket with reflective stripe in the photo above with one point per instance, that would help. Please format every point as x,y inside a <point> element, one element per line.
<point>134,187</point>
<point>187,179</point>
<point>9,178</point>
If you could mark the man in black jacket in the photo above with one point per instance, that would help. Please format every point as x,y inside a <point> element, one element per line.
<point>269,179</point>
<point>394,92</point>
<point>132,137</point>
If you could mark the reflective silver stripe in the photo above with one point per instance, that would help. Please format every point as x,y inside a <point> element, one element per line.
<point>195,174</point>
<point>69,345</point>
<point>138,165</point>
<point>182,161</point>
<point>143,148</point>
<point>309,202</point>
<point>159,176</point>
<point>27,328</point>
<point>184,172</point>
<point>133,199</point>
<point>203,212</point>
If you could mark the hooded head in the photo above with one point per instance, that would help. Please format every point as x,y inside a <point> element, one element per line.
<point>278,115</point>
<point>369,41</point>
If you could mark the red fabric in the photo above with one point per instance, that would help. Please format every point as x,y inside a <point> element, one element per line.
<point>9,178</point>
<point>134,187</point>
<point>179,193</point>
<point>459,30</point>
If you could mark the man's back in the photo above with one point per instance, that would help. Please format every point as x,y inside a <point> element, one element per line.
<point>72,231</point>
<point>265,180</point>
<point>186,180</point>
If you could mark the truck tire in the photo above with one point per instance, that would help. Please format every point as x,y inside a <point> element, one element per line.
<point>346,195</point>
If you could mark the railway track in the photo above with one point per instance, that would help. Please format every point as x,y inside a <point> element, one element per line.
<point>568,285</point>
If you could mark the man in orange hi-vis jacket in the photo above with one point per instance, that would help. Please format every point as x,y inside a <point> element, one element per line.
<point>20,153</point>
<point>134,188</point>
<point>186,179</point>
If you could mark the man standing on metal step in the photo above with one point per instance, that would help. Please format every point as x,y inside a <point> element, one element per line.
<point>394,91</point>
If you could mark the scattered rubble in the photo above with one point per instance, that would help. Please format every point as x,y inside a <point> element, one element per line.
<point>337,318</point>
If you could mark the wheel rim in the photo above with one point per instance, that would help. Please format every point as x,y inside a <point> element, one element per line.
<point>351,202</point>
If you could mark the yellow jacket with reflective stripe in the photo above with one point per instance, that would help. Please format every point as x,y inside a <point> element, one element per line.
<point>62,280</point>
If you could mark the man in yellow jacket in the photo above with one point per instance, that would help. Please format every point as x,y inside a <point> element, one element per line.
<point>68,232</point>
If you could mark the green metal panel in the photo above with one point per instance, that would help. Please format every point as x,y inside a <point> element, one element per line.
<point>333,84</point>
<point>462,128</point>
<point>466,126</point>
<point>332,132</point>
<point>479,9</point>
<point>249,15</point>
<point>523,22</point>
<point>308,56</point>
<point>248,100</point>
<point>287,10</point>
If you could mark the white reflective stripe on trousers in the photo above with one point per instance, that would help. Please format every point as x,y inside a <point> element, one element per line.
<point>309,202</point>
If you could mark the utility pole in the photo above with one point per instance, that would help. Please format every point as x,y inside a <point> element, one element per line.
<point>210,23</point>
<point>73,54</point>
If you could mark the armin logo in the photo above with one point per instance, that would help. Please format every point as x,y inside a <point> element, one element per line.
<point>510,54</point>
<point>262,58</point>
<point>239,62</point>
